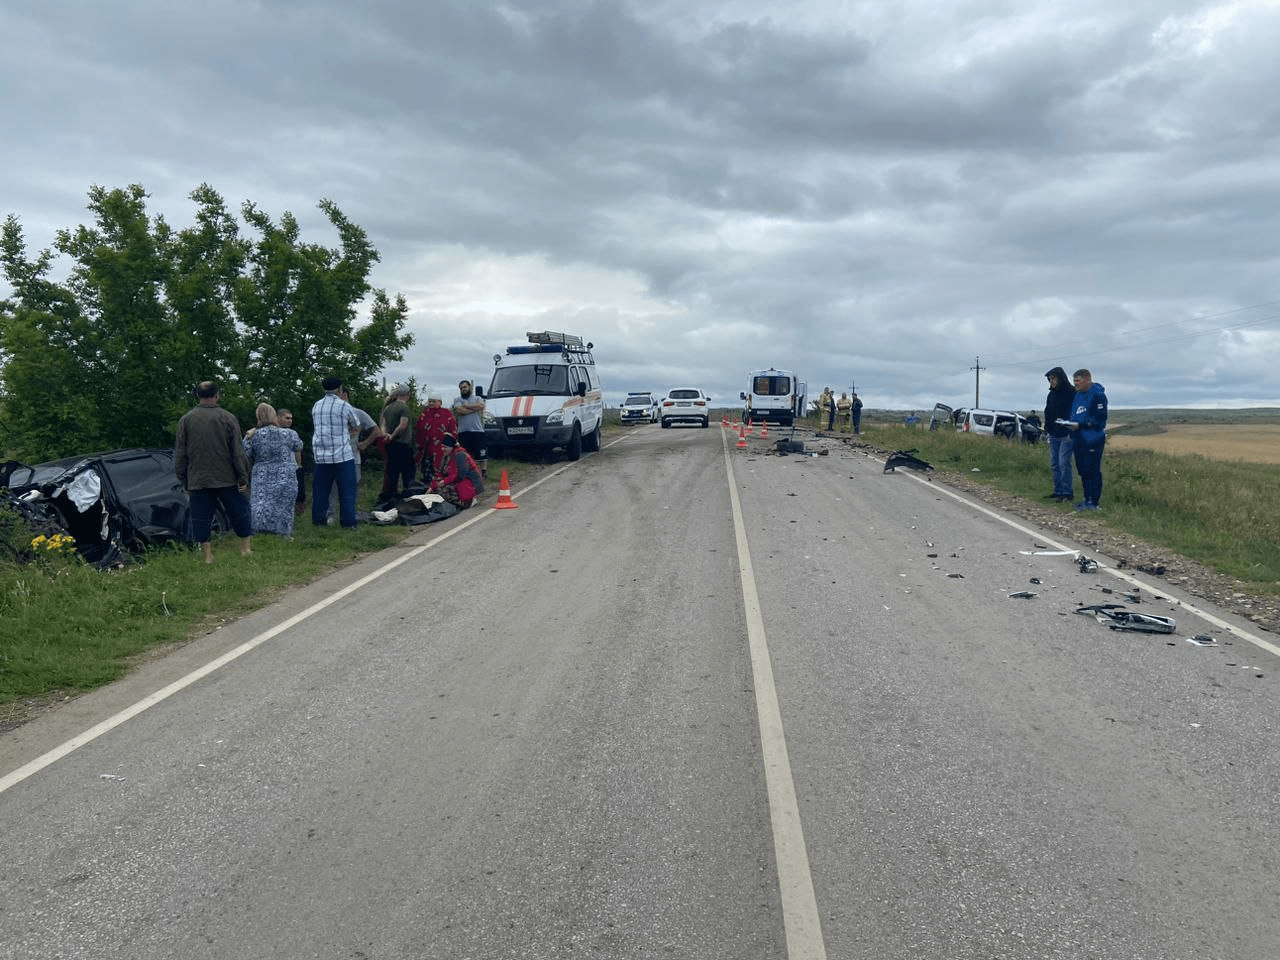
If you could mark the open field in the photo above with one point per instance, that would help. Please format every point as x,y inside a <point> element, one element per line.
<point>1247,434</point>
<point>1248,442</point>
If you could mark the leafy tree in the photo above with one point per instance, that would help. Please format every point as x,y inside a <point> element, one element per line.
<point>42,333</point>
<point>108,358</point>
<point>296,303</point>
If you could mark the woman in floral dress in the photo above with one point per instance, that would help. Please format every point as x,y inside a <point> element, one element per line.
<point>273,483</point>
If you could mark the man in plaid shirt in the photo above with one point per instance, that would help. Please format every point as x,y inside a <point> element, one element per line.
<point>333,420</point>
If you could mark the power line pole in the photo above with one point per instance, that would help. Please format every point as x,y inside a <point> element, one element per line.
<point>976,368</point>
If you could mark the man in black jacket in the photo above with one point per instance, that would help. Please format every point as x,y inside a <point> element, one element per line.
<point>1057,407</point>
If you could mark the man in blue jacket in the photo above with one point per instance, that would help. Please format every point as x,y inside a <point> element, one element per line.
<point>1089,436</point>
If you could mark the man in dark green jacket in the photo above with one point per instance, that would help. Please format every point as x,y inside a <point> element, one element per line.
<point>209,460</point>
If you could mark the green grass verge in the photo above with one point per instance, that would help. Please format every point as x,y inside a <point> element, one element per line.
<point>66,628</point>
<point>1219,513</point>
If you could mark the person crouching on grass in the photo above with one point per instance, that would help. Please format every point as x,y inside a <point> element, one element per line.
<point>460,483</point>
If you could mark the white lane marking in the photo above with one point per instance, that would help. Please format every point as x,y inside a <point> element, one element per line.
<point>128,713</point>
<point>1118,574</point>
<point>795,882</point>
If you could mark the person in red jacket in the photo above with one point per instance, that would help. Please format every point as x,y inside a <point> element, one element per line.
<point>460,481</point>
<point>434,423</point>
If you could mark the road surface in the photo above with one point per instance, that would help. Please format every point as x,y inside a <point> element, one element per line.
<point>686,701</point>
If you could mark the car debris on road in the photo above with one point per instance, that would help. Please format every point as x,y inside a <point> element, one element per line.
<point>905,458</point>
<point>1115,616</point>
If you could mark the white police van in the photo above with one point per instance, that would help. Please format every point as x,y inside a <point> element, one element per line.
<point>544,394</point>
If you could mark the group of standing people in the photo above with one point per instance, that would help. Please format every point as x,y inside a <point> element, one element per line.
<point>258,478</point>
<point>1075,418</point>
<point>454,472</point>
<point>847,408</point>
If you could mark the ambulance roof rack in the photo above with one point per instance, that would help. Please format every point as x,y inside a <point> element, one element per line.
<point>548,341</point>
<point>550,336</point>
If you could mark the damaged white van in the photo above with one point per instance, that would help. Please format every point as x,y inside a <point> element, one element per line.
<point>544,394</point>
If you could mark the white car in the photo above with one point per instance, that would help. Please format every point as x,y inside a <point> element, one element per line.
<point>685,405</point>
<point>998,423</point>
<point>639,408</point>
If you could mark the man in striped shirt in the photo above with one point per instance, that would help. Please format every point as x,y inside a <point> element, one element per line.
<point>332,420</point>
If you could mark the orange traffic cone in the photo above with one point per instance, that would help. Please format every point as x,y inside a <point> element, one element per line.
<point>751,428</point>
<point>504,494</point>
<point>742,437</point>
<point>764,431</point>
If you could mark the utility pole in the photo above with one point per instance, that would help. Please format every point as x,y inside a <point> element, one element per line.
<point>976,368</point>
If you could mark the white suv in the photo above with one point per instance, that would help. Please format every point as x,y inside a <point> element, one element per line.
<point>685,405</point>
<point>998,423</point>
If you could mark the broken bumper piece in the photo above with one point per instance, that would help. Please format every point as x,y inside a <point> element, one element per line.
<point>905,458</point>
<point>1118,618</point>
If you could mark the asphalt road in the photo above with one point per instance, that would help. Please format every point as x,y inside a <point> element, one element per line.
<point>656,712</point>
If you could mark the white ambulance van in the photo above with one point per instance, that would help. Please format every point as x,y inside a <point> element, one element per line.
<point>773,395</point>
<point>544,394</point>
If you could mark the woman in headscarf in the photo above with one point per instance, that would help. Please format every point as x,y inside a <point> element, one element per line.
<point>434,423</point>
<point>459,481</point>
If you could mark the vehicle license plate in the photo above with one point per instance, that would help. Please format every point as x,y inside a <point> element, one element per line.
<point>518,431</point>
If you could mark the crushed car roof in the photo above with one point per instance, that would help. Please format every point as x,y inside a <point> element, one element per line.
<point>122,500</point>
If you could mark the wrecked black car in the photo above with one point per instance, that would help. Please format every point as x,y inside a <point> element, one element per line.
<point>112,503</point>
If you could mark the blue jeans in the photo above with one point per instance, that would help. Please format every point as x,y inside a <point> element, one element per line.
<point>1060,452</point>
<point>322,482</point>
<point>1089,466</point>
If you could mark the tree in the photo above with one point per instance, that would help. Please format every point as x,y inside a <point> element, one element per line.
<point>109,357</point>
<point>296,303</point>
<point>42,333</point>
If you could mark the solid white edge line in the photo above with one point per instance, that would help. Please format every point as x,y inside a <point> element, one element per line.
<point>1218,622</point>
<point>800,920</point>
<point>33,767</point>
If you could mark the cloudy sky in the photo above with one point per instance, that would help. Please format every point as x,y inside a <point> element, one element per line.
<point>870,193</point>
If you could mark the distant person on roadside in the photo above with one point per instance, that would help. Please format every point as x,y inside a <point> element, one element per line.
<point>460,481</point>
<point>209,460</point>
<point>434,423</point>
<point>398,430</point>
<point>468,410</point>
<point>1057,406</point>
<point>856,411</point>
<point>1089,436</point>
<point>273,489</point>
<point>334,422</point>
<point>843,407</point>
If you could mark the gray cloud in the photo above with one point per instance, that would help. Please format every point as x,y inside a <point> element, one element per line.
<point>858,191</point>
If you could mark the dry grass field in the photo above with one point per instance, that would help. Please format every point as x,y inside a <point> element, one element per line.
<point>1249,442</point>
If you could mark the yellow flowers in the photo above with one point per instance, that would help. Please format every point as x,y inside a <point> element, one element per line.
<point>56,542</point>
